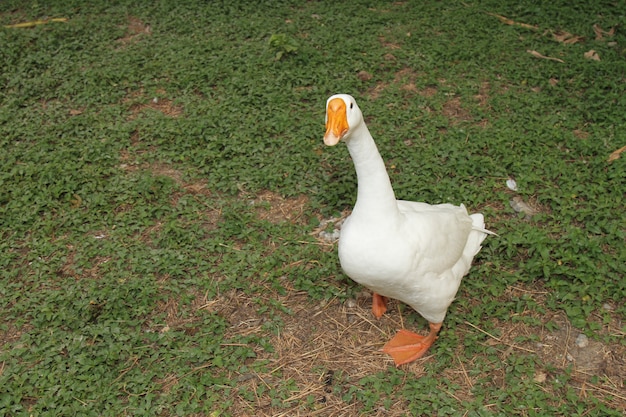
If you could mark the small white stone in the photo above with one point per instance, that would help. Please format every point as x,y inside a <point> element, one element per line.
<point>582,341</point>
<point>511,184</point>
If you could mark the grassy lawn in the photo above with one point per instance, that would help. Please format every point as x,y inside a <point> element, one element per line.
<point>166,197</point>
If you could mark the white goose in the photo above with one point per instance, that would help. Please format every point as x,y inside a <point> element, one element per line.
<point>414,252</point>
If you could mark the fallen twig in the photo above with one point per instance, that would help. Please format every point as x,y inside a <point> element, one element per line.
<point>508,21</point>
<point>538,55</point>
<point>36,23</point>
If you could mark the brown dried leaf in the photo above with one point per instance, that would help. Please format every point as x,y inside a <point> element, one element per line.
<point>615,154</point>
<point>538,55</point>
<point>566,37</point>
<point>592,54</point>
<point>601,32</point>
<point>508,21</point>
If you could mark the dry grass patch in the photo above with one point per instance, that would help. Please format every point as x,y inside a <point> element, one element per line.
<point>277,209</point>
<point>174,318</point>
<point>323,349</point>
<point>319,348</point>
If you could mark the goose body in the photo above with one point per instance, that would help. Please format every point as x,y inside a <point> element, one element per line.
<point>410,251</point>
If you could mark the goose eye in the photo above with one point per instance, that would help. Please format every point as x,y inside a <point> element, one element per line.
<point>351,105</point>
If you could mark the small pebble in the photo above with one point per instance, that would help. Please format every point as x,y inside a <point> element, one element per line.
<point>607,307</point>
<point>540,377</point>
<point>330,237</point>
<point>511,184</point>
<point>350,303</point>
<point>582,341</point>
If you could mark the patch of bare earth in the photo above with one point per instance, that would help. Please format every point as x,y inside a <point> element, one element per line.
<point>568,347</point>
<point>559,348</point>
<point>404,79</point>
<point>454,111</point>
<point>10,335</point>
<point>135,28</point>
<point>139,102</point>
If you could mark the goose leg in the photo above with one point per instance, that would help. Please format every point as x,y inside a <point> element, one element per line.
<point>407,346</point>
<point>379,305</point>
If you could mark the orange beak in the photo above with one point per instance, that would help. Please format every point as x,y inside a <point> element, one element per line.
<point>336,122</point>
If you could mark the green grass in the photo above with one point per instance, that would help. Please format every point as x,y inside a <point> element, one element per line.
<point>136,137</point>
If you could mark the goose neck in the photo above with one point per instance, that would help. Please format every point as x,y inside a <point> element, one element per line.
<point>374,187</point>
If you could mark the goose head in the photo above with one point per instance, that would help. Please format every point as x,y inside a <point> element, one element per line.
<point>342,117</point>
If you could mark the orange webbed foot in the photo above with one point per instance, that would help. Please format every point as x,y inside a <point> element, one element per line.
<point>379,305</point>
<point>407,346</point>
